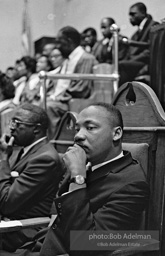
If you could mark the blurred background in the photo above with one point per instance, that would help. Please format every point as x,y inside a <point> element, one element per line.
<point>25,22</point>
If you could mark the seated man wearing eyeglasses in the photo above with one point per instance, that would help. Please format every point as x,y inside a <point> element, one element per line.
<point>28,180</point>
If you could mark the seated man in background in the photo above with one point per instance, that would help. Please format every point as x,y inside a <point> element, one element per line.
<point>111,196</point>
<point>102,50</point>
<point>89,39</point>
<point>137,59</point>
<point>77,61</point>
<point>29,180</point>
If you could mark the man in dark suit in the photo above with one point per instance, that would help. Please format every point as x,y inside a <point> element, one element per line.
<point>102,50</point>
<point>111,196</point>
<point>29,181</point>
<point>137,58</point>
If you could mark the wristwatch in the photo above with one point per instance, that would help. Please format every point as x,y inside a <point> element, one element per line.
<point>78,179</point>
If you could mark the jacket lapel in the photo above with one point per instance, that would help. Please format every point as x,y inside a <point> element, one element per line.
<point>24,158</point>
<point>112,167</point>
<point>142,36</point>
<point>146,29</point>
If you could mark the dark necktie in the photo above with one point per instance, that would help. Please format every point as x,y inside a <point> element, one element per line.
<point>138,32</point>
<point>19,155</point>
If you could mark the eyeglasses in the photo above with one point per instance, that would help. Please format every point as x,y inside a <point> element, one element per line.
<point>13,124</point>
<point>55,56</point>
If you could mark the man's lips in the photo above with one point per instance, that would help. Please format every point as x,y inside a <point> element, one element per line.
<point>83,147</point>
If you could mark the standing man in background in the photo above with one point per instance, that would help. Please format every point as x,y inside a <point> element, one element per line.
<point>137,59</point>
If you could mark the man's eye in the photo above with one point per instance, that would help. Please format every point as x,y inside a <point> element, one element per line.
<point>90,128</point>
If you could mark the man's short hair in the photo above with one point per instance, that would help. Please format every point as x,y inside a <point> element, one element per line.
<point>115,115</point>
<point>38,115</point>
<point>141,7</point>
<point>110,20</point>
<point>90,29</point>
<point>30,63</point>
<point>71,33</point>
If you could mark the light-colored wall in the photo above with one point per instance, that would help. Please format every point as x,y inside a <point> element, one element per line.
<point>47,16</point>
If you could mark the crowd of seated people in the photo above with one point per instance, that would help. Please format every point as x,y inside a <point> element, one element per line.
<point>75,52</point>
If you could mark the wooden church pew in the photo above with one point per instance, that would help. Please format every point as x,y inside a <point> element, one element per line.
<point>144,121</point>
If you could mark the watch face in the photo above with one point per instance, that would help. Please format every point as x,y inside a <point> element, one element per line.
<point>79,179</point>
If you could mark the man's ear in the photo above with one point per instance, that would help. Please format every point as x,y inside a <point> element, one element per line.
<point>36,129</point>
<point>117,133</point>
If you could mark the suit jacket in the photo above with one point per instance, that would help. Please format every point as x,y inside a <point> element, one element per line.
<point>82,88</point>
<point>137,53</point>
<point>30,194</point>
<point>114,199</point>
<point>103,55</point>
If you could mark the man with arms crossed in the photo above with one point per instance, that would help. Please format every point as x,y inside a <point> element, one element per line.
<point>110,197</point>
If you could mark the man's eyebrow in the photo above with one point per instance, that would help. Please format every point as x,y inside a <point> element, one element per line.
<point>87,122</point>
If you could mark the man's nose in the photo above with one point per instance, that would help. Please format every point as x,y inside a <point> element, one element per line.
<point>12,129</point>
<point>80,136</point>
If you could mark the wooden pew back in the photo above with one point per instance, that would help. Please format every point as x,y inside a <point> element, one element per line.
<point>144,121</point>
<point>157,61</point>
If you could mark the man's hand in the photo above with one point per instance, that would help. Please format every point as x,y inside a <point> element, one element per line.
<point>6,147</point>
<point>75,160</point>
<point>125,40</point>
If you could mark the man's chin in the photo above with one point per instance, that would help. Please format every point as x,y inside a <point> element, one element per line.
<point>16,143</point>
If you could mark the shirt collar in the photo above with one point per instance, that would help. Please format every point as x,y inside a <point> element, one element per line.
<point>26,149</point>
<point>75,52</point>
<point>142,23</point>
<point>113,159</point>
<point>107,41</point>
